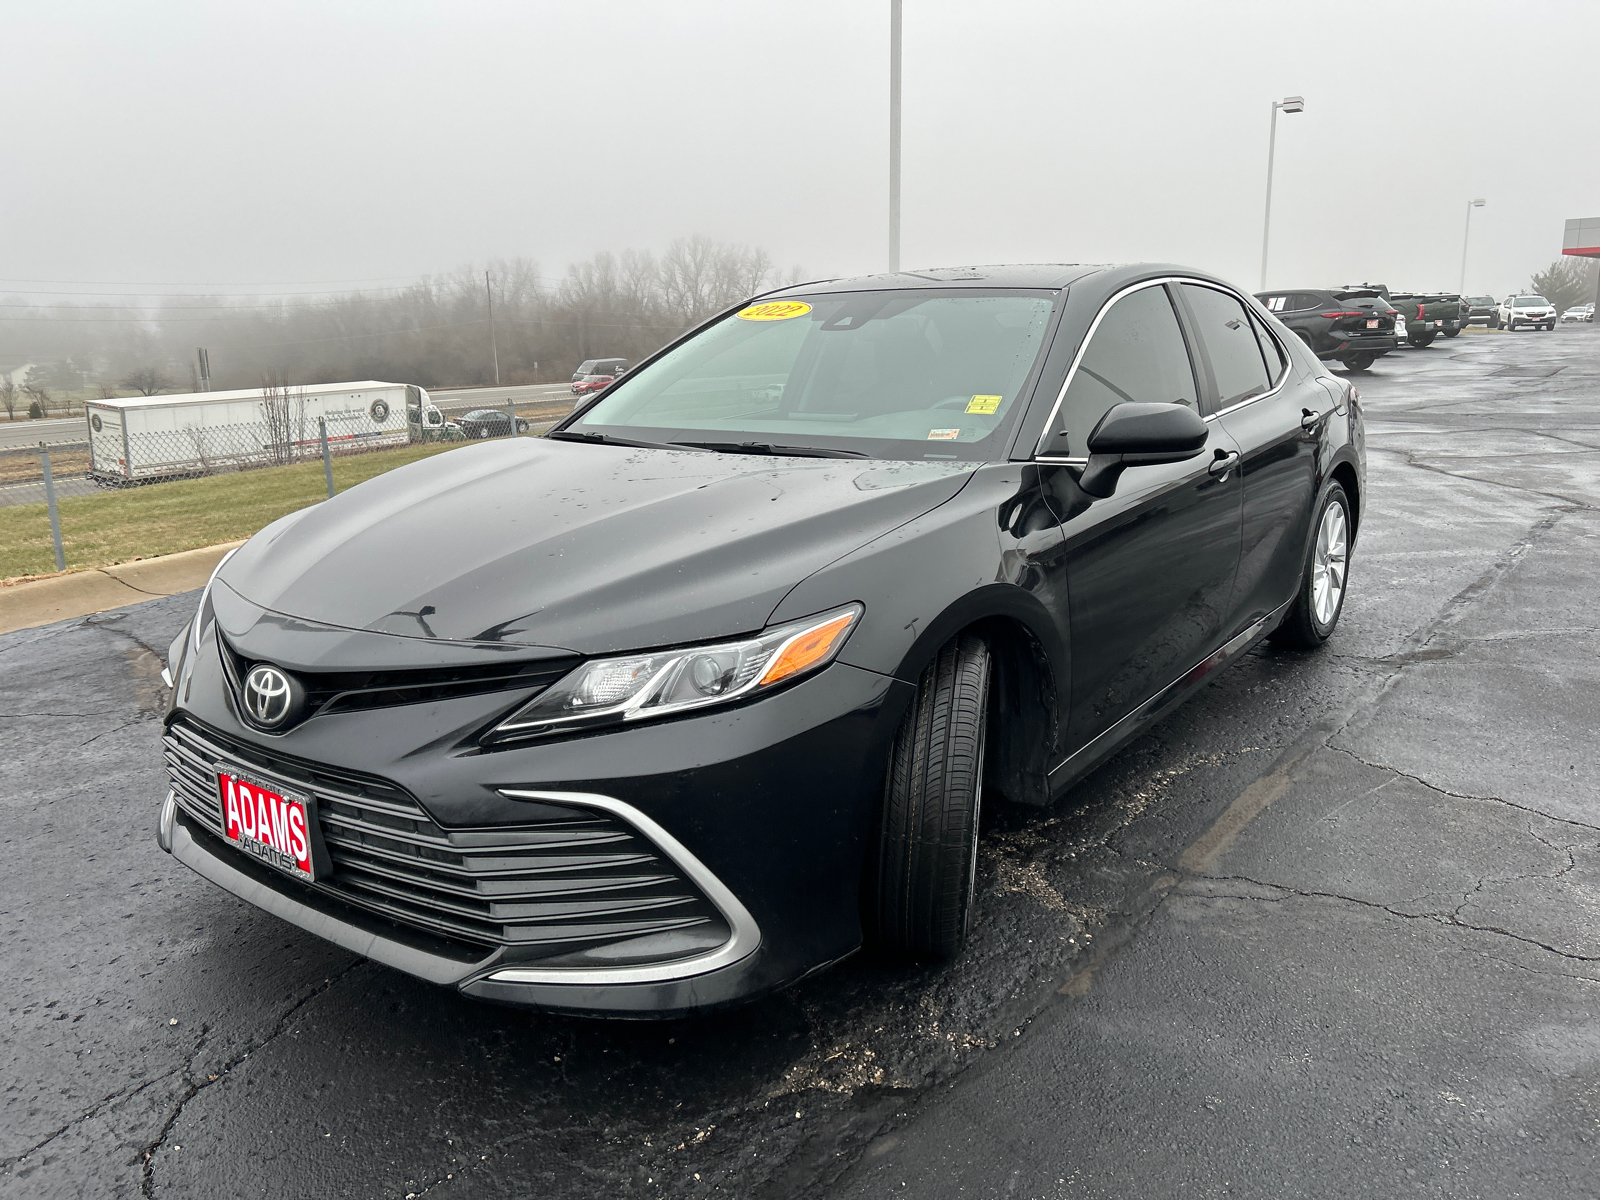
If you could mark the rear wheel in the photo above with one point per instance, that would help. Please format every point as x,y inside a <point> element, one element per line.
<point>925,862</point>
<point>1451,332</point>
<point>1324,579</point>
<point>1359,362</point>
<point>1421,340</point>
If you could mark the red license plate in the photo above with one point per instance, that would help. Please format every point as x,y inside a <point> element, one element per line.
<point>1372,324</point>
<point>266,823</point>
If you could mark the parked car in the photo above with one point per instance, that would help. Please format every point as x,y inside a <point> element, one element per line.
<point>1517,312</point>
<point>707,687</point>
<point>1352,326</point>
<point>1427,315</point>
<point>488,422</point>
<point>593,369</point>
<point>590,384</point>
<point>1481,310</point>
<point>1580,312</point>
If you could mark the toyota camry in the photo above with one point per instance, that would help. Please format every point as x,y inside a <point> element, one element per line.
<point>704,689</point>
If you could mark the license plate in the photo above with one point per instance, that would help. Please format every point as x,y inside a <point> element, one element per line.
<point>1372,324</point>
<point>266,822</point>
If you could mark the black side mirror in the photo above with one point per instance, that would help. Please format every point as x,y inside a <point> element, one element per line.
<point>1133,435</point>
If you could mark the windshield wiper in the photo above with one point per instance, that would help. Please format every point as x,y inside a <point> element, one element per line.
<point>606,439</point>
<point>769,448</point>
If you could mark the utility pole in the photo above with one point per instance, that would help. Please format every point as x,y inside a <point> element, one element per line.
<point>1289,104</point>
<point>894,135</point>
<point>493,349</point>
<point>1465,238</point>
<point>203,358</point>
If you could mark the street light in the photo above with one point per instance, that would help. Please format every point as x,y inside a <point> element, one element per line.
<point>1289,104</point>
<point>894,135</point>
<point>1471,204</point>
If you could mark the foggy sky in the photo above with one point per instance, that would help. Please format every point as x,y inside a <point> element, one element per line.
<point>216,144</point>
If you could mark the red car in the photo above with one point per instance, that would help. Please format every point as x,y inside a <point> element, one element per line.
<point>594,373</point>
<point>590,383</point>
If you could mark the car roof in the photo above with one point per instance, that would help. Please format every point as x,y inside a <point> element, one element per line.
<point>1049,276</point>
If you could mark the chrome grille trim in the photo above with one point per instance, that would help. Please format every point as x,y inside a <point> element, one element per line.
<point>560,885</point>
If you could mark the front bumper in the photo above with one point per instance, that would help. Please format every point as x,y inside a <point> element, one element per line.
<point>766,809</point>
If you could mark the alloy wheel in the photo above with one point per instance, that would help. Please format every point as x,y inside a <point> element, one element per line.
<point>1328,563</point>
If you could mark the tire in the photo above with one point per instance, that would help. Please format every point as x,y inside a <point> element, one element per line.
<point>924,864</point>
<point>1421,340</point>
<point>1494,322</point>
<point>1452,332</point>
<point>1314,615</point>
<point>1359,362</point>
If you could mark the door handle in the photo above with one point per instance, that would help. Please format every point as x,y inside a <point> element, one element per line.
<point>1224,462</point>
<point>1310,420</point>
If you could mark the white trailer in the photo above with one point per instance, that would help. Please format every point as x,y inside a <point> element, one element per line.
<point>161,437</point>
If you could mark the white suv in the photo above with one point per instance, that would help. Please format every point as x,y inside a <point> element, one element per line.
<point>1527,310</point>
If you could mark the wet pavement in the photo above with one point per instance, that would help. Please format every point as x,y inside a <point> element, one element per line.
<point>1330,930</point>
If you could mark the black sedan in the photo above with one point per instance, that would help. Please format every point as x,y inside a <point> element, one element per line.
<point>704,690</point>
<point>488,422</point>
<point>1348,326</point>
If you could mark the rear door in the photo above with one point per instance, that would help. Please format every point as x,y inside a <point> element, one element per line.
<point>1150,568</point>
<point>1278,425</point>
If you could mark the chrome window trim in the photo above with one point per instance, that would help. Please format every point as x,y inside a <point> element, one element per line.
<point>746,934</point>
<point>1094,325</point>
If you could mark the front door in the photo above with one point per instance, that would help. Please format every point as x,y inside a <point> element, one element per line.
<point>1150,568</point>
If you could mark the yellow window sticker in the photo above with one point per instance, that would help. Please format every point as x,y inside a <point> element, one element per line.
<point>775,310</point>
<point>984,406</point>
<point>943,435</point>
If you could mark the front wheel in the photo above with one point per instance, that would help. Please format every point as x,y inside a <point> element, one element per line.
<point>1421,340</point>
<point>925,861</point>
<point>1325,578</point>
<point>1451,332</point>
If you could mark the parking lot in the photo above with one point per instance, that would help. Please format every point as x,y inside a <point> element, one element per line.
<point>1329,930</point>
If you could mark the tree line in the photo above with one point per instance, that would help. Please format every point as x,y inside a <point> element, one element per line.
<point>435,332</point>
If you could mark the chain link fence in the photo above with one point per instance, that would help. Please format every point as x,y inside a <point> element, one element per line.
<point>111,494</point>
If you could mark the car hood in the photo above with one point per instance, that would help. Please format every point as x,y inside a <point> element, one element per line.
<point>589,548</point>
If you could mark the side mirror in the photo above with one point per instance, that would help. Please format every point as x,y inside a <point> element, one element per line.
<point>1133,435</point>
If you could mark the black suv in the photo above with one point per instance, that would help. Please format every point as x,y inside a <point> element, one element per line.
<point>1350,326</point>
<point>1481,310</point>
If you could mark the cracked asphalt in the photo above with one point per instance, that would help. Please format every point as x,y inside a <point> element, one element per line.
<point>1330,930</point>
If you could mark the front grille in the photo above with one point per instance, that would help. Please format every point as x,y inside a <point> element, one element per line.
<point>351,691</point>
<point>570,881</point>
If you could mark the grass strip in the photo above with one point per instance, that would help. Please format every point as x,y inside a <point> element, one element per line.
<point>122,524</point>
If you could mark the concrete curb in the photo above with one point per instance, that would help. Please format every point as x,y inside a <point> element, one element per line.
<point>62,597</point>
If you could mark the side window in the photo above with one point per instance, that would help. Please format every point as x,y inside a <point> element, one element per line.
<point>1270,350</point>
<point>1304,301</point>
<point>1276,303</point>
<point>1230,343</point>
<point>1137,353</point>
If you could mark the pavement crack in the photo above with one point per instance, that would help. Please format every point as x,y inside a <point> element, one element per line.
<point>1443,791</point>
<point>194,1087</point>
<point>1439,919</point>
<point>87,1114</point>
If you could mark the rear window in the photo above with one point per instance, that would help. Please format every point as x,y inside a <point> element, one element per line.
<point>1358,294</point>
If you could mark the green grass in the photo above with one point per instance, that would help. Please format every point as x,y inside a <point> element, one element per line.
<point>118,525</point>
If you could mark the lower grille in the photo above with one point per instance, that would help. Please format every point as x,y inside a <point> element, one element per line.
<point>570,881</point>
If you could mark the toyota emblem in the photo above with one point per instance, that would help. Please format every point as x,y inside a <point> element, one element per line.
<point>270,696</point>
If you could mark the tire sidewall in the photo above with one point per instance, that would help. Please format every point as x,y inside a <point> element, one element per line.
<point>1334,493</point>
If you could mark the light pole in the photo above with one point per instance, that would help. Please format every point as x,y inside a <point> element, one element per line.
<point>1289,104</point>
<point>1465,238</point>
<point>894,135</point>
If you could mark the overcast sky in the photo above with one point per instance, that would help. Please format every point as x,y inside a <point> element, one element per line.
<point>332,143</point>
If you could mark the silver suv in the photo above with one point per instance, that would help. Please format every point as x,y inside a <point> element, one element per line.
<point>1534,311</point>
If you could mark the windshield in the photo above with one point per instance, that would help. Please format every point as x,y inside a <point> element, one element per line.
<point>891,374</point>
<point>1531,302</point>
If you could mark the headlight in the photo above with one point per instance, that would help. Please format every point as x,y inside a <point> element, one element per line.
<point>200,611</point>
<point>635,687</point>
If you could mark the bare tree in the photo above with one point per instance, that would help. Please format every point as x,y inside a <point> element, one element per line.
<point>147,381</point>
<point>8,397</point>
<point>283,410</point>
<point>107,392</point>
<point>38,394</point>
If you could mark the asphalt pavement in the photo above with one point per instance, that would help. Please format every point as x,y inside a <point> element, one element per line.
<point>1330,930</point>
<point>14,434</point>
